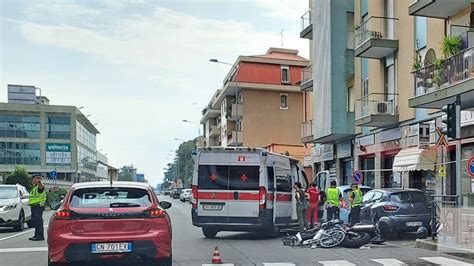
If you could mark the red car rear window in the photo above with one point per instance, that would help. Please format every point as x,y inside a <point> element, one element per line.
<point>110,197</point>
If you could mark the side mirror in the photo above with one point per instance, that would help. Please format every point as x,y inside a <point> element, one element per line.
<point>165,204</point>
<point>26,196</point>
<point>55,205</point>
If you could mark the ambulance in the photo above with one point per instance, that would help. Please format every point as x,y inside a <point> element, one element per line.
<point>244,189</point>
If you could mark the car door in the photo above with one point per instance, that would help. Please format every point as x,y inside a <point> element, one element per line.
<point>365,207</point>
<point>24,198</point>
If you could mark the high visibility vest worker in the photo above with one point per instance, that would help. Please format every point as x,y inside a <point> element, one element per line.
<point>332,196</point>
<point>37,198</point>
<point>357,200</point>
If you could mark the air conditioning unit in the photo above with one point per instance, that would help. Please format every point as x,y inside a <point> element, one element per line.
<point>382,108</point>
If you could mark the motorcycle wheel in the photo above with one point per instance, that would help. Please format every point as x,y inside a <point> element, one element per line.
<point>356,240</point>
<point>332,238</point>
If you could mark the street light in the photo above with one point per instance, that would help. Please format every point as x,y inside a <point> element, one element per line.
<point>196,123</point>
<point>233,70</point>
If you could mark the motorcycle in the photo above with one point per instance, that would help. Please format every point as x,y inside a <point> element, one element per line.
<point>327,235</point>
<point>361,234</point>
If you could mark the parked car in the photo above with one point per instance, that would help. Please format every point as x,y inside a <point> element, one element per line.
<point>344,213</point>
<point>14,208</point>
<point>98,221</point>
<point>396,210</point>
<point>176,193</point>
<point>185,195</point>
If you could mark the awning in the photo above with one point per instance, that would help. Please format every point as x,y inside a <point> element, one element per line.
<point>413,159</point>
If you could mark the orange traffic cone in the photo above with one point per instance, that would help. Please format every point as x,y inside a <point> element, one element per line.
<point>216,256</point>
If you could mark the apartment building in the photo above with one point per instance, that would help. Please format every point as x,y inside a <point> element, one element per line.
<point>260,103</point>
<point>329,87</point>
<point>46,138</point>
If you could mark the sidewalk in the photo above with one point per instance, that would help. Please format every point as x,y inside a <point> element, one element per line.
<point>448,247</point>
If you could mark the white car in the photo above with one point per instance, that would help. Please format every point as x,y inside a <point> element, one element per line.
<point>14,208</point>
<point>185,195</point>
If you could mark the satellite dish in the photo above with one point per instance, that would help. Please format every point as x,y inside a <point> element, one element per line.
<point>430,57</point>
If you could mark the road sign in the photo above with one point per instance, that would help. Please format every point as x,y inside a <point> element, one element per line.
<point>53,174</point>
<point>441,139</point>
<point>442,171</point>
<point>470,166</point>
<point>358,177</point>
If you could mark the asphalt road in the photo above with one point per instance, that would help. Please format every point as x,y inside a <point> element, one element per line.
<point>191,248</point>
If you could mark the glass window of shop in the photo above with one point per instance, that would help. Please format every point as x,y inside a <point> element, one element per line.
<point>58,127</point>
<point>467,185</point>
<point>20,126</point>
<point>85,137</point>
<point>387,175</point>
<point>347,170</point>
<point>369,176</point>
<point>20,153</point>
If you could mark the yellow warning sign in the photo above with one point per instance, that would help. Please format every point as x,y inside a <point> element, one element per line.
<point>442,171</point>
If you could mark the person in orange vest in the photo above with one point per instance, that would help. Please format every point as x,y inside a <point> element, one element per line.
<point>312,213</point>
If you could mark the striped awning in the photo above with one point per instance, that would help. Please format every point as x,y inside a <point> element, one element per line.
<point>413,159</point>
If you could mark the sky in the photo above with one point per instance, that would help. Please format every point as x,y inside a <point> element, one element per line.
<point>138,67</point>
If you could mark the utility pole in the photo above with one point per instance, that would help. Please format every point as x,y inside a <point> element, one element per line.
<point>458,148</point>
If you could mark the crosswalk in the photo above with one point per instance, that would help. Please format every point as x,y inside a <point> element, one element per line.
<point>382,261</point>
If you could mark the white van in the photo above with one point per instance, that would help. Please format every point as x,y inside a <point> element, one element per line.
<point>244,189</point>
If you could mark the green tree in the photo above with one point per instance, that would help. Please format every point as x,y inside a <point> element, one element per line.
<point>19,176</point>
<point>124,176</point>
<point>183,164</point>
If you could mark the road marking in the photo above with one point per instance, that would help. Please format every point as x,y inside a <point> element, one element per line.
<point>223,264</point>
<point>21,250</point>
<point>279,264</point>
<point>445,261</point>
<point>336,263</point>
<point>389,262</point>
<point>19,234</point>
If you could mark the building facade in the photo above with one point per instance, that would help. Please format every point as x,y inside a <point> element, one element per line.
<point>48,138</point>
<point>260,103</point>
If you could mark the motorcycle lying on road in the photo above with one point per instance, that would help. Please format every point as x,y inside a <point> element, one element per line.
<point>361,234</point>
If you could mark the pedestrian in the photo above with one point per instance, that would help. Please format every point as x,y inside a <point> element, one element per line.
<point>313,209</point>
<point>333,199</point>
<point>37,202</point>
<point>301,206</point>
<point>355,197</point>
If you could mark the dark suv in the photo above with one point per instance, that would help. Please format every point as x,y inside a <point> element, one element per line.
<point>396,210</point>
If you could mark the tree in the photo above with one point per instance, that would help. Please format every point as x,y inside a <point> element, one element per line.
<point>183,164</point>
<point>125,176</point>
<point>19,176</point>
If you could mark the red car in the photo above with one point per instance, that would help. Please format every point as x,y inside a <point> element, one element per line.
<point>99,222</point>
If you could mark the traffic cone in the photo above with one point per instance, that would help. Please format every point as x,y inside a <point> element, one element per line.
<point>216,256</point>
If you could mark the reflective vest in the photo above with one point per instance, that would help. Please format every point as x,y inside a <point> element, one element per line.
<point>37,198</point>
<point>332,196</point>
<point>357,199</point>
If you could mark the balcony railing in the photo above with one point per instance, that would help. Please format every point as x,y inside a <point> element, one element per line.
<point>376,104</point>
<point>306,20</point>
<point>448,72</point>
<point>307,129</point>
<point>376,28</point>
<point>306,74</point>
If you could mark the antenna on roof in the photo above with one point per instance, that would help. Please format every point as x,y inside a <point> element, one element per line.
<point>281,37</point>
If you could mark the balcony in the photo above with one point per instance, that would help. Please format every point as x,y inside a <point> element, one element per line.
<point>307,132</point>
<point>307,78</point>
<point>438,85</point>
<point>377,110</point>
<point>437,8</point>
<point>214,132</point>
<point>376,37</point>
<point>235,112</point>
<point>306,26</point>
<point>235,139</point>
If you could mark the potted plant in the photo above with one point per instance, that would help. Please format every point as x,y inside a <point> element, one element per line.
<point>438,70</point>
<point>451,45</point>
<point>417,62</point>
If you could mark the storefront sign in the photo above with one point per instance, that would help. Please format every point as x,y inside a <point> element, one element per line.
<point>470,167</point>
<point>423,136</point>
<point>317,153</point>
<point>388,135</point>
<point>344,150</point>
<point>413,130</point>
<point>366,140</point>
<point>58,153</point>
<point>328,152</point>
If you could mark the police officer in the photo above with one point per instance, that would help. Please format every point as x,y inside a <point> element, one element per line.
<point>333,199</point>
<point>37,202</point>
<point>355,196</point>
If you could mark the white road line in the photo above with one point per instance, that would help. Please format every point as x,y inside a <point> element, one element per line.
<point>445,261</point>
<point>279,264</point>
<point>336,263</point>
<point>19,234</point>
<point>21,250</point>
<point>223,264</point>
<point>389,262</point>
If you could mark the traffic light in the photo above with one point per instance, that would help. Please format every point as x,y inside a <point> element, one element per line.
<point>450,121</point>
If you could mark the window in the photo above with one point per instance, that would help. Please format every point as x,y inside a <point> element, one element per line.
<point>283,180</point>
<point>420,33</point>
<point>58,127</point>
<point>350,99</point>
<point>350,30</point>
<point>365,87</point>
<point>20,153</point>
<point>110,197</point>
<point>283,101</point>
<point>285,74</point>
<point>244,177</point>
<point>20,126</point>
<point>408,197</point>
<point>377,196</point>
<point>364,8</point>
<point>213,177</point>
<point>368,197</point>
<point>271,178</point>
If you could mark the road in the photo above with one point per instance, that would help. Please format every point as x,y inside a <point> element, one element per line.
<point>191,248</point>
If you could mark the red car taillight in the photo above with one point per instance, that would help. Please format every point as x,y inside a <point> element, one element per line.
<point>194,199</point>
<point>62,215</point>
<point>156,213</point>
<point>262,198</point>
<point>389,208</point>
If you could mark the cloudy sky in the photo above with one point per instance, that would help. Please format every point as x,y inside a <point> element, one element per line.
<point>139,67</point>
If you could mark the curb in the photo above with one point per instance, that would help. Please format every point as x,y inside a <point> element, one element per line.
<point>450,250</point>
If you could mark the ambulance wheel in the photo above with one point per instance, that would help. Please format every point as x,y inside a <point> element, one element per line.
<point>209,232</point>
